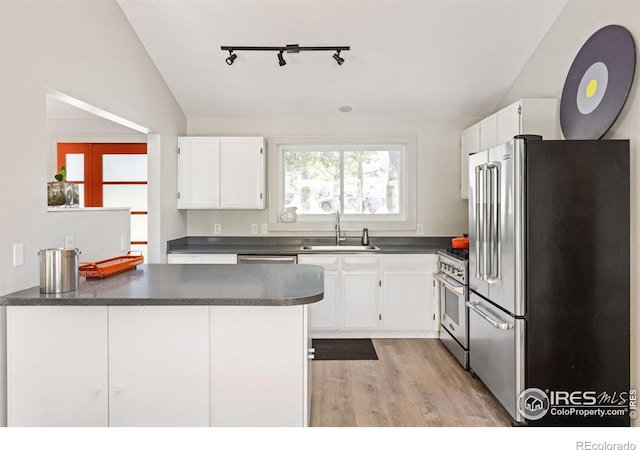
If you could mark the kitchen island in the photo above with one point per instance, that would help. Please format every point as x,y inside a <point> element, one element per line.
<point>165,345</point>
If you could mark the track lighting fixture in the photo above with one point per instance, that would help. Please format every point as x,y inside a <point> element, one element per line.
<point>281,60</point>
<point>289,48</point>
<point>337,57</point>
<point>231,57</point>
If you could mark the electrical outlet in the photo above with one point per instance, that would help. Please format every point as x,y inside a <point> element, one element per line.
<point>217,228</point>
<point>264,228</point>
<point>18,254</point>
<point>419,229</point>
<point>124,243</point>
<point>254,228</point>
<point>68,242</point>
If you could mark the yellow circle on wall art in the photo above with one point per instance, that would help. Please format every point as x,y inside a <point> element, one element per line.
<point>592,87</point>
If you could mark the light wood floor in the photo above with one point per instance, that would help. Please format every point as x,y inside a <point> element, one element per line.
<point>415,382</point>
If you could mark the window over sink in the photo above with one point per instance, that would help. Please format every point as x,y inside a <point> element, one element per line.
<point>370,181</point>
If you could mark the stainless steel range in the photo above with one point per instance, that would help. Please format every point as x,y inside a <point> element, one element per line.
<point>454,292</point>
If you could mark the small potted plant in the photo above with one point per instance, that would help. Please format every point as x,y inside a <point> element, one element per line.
<point>62,193</point>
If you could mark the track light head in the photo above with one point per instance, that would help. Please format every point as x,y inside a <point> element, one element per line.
<point>231,57</point>
<point>338,58</point>
<point>281,60</point>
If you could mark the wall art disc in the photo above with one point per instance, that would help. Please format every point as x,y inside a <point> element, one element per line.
<point>598,83</point>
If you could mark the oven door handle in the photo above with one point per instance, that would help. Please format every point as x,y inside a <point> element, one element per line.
<point>486,316</point>
<point>460,290</point>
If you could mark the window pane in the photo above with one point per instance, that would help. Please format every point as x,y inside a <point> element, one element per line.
<point>124,167</point>
<point>312,180</point>
<point>140,248</point>
<point>81,195</point>
<point>371,182</point>
<point>133,196</point>
<point>75,166</point>
<point>139,227</point>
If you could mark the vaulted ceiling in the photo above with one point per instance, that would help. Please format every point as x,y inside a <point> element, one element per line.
<point>408,58</point>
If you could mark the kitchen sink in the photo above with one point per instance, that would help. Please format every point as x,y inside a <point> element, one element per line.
<point>340,248</point>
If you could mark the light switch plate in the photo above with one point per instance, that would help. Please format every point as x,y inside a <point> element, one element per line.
<point>217,228</point>
<point>264,228</point>
<point>69,242</point>
<point>254,228</point>
<point>18,254</point>
<point>420,229</point>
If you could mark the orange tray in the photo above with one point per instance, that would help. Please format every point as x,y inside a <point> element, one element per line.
<point>110,267</point>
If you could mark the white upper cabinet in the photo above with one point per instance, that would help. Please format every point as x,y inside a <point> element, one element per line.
<point>469,143</point>
<point>198,172</point>
<point>529,116</point>
<point>221,173</point>
<point>489,132</point>
<point>526,116</point>
<point>242,173</point>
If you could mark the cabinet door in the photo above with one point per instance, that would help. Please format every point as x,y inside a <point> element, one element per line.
<point>489,132</point>
<point>325,314</point>
<point>57,366</point>
<point>408,301</point>
<point>198,172</point>
<point>469,143</point>
<point>258,366</point>
<point>360,283</point>
<point>509,122</point>
<point>242,173</point>
<point>159,365</point>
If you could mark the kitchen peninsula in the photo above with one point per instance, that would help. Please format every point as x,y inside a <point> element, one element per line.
<point>165,345</point>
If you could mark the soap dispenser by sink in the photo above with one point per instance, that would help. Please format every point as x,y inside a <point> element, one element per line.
<point>365,236</point>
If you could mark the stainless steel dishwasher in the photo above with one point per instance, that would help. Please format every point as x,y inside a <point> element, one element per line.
<point>267,259</point>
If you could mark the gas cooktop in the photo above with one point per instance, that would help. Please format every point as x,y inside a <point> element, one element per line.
<point>457,253</point>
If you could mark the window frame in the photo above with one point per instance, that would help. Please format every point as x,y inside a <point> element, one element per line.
<point>405,220</point>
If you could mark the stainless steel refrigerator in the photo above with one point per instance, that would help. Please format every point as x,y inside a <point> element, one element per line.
<point>549,279</point>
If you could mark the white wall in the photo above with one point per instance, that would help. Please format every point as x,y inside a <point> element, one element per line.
<point>544,76</point>
<point>86,50</point>
<point>439,206</point>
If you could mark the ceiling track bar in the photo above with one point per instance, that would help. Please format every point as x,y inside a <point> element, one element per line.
<point>289,48</point>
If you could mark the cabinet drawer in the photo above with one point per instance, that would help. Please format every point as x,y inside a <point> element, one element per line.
<point>408,261</point>
<point>354,262</point>
<point>329,262</point>
<point>223,258</point>
<point>184,259</point>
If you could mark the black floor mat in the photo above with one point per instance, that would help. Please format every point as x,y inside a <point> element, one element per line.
<point>343,349</point>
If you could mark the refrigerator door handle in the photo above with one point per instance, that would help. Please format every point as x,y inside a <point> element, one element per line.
<point>479,222</point>
<point>487,316</point>
<point>494,229</point>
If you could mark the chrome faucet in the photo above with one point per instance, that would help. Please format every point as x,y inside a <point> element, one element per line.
<point>339,236</point>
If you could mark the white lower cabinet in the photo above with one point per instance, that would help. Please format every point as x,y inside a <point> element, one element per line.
<point>216,258</point>
<point>388,295</point>
<point>273,339</point>
<point>325,314</point>
<point>408,288</point>
<point>159,366</point>
<point>360,280</point>
<point>57,366</point>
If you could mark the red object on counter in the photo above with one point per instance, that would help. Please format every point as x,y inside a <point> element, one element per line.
<point>460,243</point>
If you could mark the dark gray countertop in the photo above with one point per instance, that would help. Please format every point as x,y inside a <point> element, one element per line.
<point>189,284</point>
<point>262,245</point>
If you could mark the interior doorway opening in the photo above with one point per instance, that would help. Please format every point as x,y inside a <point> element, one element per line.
<point>111,175</point>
